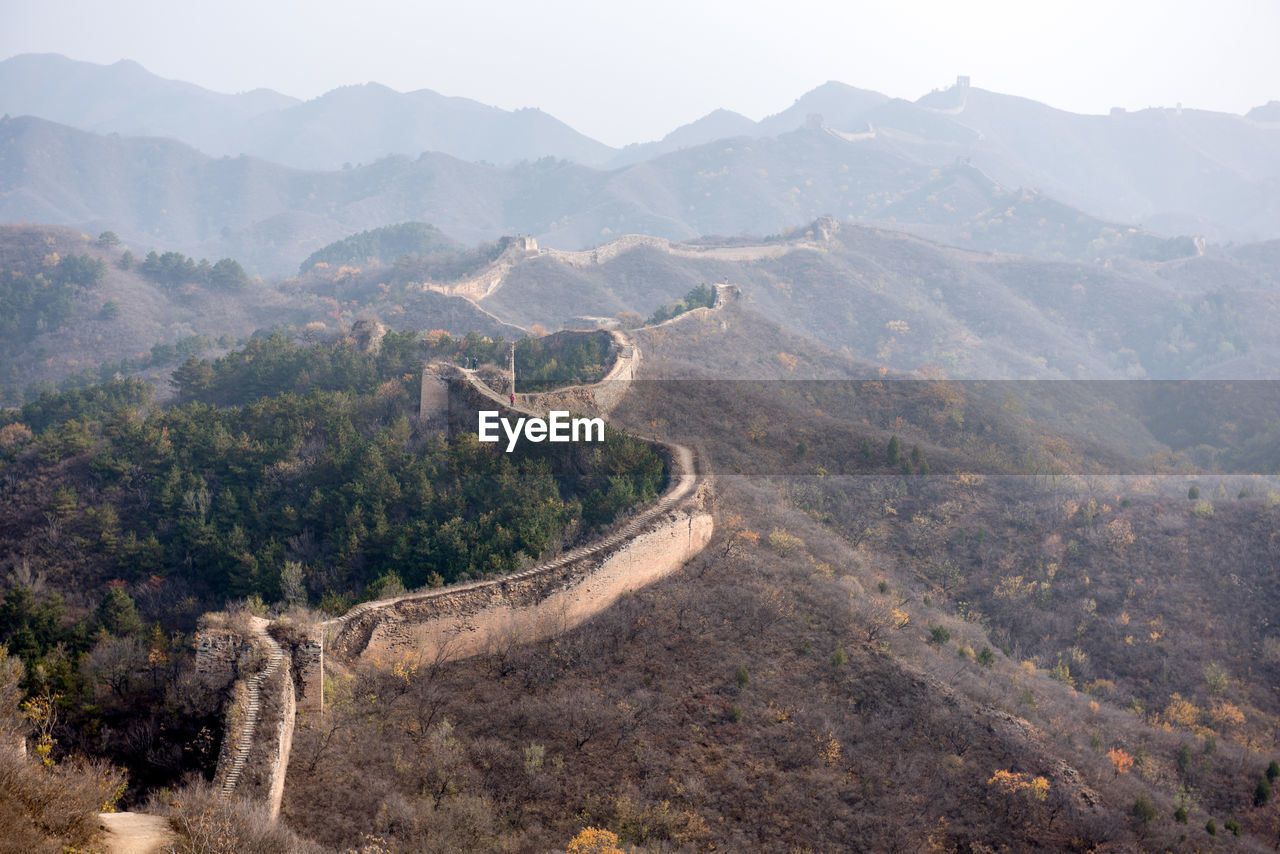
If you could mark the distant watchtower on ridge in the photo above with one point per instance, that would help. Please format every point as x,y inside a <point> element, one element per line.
<point>521,242</point>
<point>962,81</point>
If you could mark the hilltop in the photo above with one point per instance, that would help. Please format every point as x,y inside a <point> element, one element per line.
<point>1171,171</point>
<point>351,124</point>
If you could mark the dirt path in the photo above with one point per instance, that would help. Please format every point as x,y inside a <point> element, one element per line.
<point>135,833</point>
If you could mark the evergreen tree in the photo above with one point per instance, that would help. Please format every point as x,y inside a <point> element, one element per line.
<point>116,614</point>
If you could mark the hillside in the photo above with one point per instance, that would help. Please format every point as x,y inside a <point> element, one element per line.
<point>126,319</point>
<point>160,194</point>
<point>915,305</point>
<point>874,294</point>
<point>845,656</point>
<point>880,648</point>
<point>1173,170</point>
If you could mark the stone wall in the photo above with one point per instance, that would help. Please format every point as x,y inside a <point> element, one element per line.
<point>469,619</point>
<point>597,398</point>
<point>259,714</point>
<point>465,619</point>
<point>218,651</point>
<point>433,407</point>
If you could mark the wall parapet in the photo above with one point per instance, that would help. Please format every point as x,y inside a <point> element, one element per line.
<point>555,595</point>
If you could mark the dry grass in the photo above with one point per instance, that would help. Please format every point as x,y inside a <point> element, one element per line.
<point>208,824</point>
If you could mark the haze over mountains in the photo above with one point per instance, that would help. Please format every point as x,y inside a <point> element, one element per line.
<point>961,165</point>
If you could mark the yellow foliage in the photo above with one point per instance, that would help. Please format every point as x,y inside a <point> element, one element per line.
<point>788,360</point>
<point>1032,788</point>
<point>784,543</point>
<point>405,670</point>
<point>12,435</point>
<point>1119,535</point>
<point>1226,715</point>
<point>829,748</point>
<point>1120,760</point>
<point>1013,587</point>
<point>594,840</point>
<point>1180,712</point>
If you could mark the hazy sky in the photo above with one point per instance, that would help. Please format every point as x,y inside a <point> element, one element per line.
<point>625,71</point>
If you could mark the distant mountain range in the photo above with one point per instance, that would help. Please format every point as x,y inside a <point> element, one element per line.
<point>349,125</point>
<point>961,165</point>
<point>162,194</point>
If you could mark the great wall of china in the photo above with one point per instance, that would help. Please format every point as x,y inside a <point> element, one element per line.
<point>515,249</point>
<point>270,685</point>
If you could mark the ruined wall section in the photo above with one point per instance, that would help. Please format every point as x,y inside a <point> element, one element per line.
<point>433,406</point>
<point>259,716</point>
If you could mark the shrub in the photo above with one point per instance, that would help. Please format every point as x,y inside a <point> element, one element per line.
<point>784,543</point>
<point>1211,827</point>
<point>1183,762</point>
<point>46,805</point>
<point>1232,825</point>
<point>1203,510</point>
<point>1143,810</point>
<point>838,657</point>
<point>938,635</point>
<point>741,676</point>
<point>986,657</point>
<point>1273,770</point>
<point>594,840</point>
<point>1180,815</point>
<point>1193,493</point>
<point>205,822</point>
<point>1262,793</point>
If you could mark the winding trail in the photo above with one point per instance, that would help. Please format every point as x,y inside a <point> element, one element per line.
<point>351,633</point>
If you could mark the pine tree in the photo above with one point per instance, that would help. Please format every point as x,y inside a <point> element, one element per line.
<point>895,451</point>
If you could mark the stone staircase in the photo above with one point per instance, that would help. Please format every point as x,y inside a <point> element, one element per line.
<point>243,745</point>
